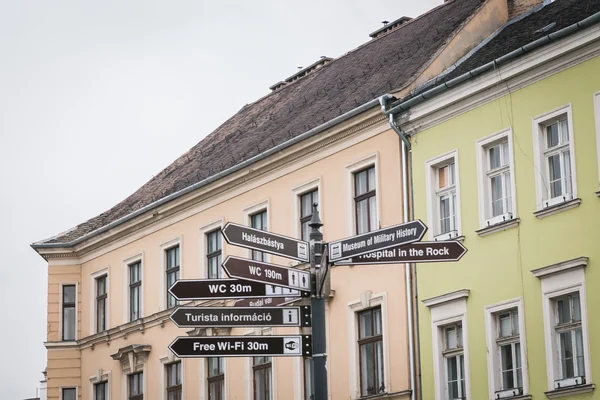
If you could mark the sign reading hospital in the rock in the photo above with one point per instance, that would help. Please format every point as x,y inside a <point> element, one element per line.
<point>417,252</point>
<point>377,240</point>
<point>241,316</point>
<point>255,239</point>
<point>250,270</point>
<point>242,346</point>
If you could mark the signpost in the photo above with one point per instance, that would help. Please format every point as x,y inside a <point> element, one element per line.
<point>257,271</point>
<point>409,232</point>
<point>255,239</point>
<point>207,289</point>
<point>242,346</point>
<point>417,252</point>
<point>195,317</point>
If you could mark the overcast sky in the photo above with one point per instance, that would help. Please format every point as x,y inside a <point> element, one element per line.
<point>98,96</point>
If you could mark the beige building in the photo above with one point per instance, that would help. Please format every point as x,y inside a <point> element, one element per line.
<point>320,135</point>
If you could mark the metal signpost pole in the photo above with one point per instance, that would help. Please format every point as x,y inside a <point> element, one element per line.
<point>318,272</point>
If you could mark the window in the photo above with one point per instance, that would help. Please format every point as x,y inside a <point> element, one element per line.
<point>101,296</point>
<point>259,221</point>
<point>214,254</point>
<point>136,386</point>
<point>443,206</point>
<point>365,200</point>
<point>509,347</point>
<point>101,391</point>
<point>370,346</point>
<point>306,202</point>
<point>135,290</point>
<point>173,267</point>
<point>454,362</point>
<point>499,179</point>
<point>569,337</point>
<point>173,381</point>
<point>68,312</point>
<point>309,384</point>
<point>262,370</point>
<point>216,378</point>
<point>69,394</point>
<point>555,178</point>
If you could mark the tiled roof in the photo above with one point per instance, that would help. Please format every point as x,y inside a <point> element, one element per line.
<point>380,66</point>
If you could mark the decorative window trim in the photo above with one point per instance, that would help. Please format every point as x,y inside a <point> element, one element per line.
<point>362,163</point>
<point>431,166</point>
<point>491,330</point>
<point>443,313</point>
<point>481,146</point>
<point>597,117</point>
<point>314,184</point>
<point>60,313</point>
<point>446,298</point>
<point>169,358</point>
<point>263,205</point>
<point>93,310</point>
<point>133,359</point>
<point>539,158</point>
<point>126,263</point>
<point>204,231</point>
<point>557,280</point>
<point>61,388</point>
<point>366,301</point>
<point>101,376</point>
<point>162,279</point>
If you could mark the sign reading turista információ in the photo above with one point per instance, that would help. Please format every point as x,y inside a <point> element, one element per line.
<point>241,316</point>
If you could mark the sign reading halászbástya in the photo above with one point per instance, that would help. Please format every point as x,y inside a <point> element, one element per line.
<point>255,239</point>
<point>206,289</point>
<point>242,346</point>
<point>417,252</point>
<point>241,316</point>
<point>409,232</point>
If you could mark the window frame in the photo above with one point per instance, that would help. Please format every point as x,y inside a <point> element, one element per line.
<point>493,357</point>
<point>542,183</point>
<point>350,169</point>
<point>370,340</point>
<point>173,270</point>
<point>101,298</point>
<point>482,146</point>
<point>177,388</point>
<point>597,120</point>
<point>203,248</point>
<point>247,214</point>
<point>63,388</point>
<point>210,379</point>
<point>297,192</point>
<point>139,396</point>
<point>432,167</point>
<point>366,196</point>
<point>130,286</point>
<point>455,353</point>
<point>268,367</point>
<point>107,390</point>
<point>215,254</point>
<point>305,219</point>
<point>62,311</point>
<point>257,255</point>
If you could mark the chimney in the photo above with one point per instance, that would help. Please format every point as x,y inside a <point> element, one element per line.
<point>518,7</point>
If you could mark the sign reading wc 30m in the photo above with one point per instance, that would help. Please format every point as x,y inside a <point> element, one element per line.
<point>241,316</point>
<point>242,346</point>
<point>409,232</point>
<point>206,289</point>
<point>250,270</point>
<point>255,239</point>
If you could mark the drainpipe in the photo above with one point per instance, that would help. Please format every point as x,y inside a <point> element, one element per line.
<point>405,144</point>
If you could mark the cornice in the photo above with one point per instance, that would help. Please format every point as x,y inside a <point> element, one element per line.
<point>446,298</point>
<point>563,266</point>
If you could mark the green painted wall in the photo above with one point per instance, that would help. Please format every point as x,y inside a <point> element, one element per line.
<point>497,267</point>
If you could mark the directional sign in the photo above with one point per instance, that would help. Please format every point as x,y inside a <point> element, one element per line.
<point>250,270</point>
<point>242,346</point>
<point>417,252</point>
<point>241,316</point>
<point>244,236</point>
<point>205,289</point>
<point>265,302</point>
<point>409,232</point>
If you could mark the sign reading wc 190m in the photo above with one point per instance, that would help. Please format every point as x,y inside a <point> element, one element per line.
<point>242,346</point>
<point>241,316</point>
<point>250,270</point>
<point>255,239</point>
<point>409,232</point>
<point>206,289</point>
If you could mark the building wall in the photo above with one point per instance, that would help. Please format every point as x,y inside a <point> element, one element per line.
<point>498,266</point>
<point>91,357</point>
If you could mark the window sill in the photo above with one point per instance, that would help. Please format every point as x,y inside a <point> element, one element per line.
<point>394,395</point>
<point>567,205</point>
<point>554,394</point>
<point>502,226</point>
<point>519,397</point>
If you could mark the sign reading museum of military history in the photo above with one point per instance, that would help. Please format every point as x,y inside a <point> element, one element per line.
<point>409,232</point>
<point>417,252</point>
<point>255,239</point>
<point>241,316</point>
<point>242,346</point>
<point>257,271</point>
<point>206,289</point>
